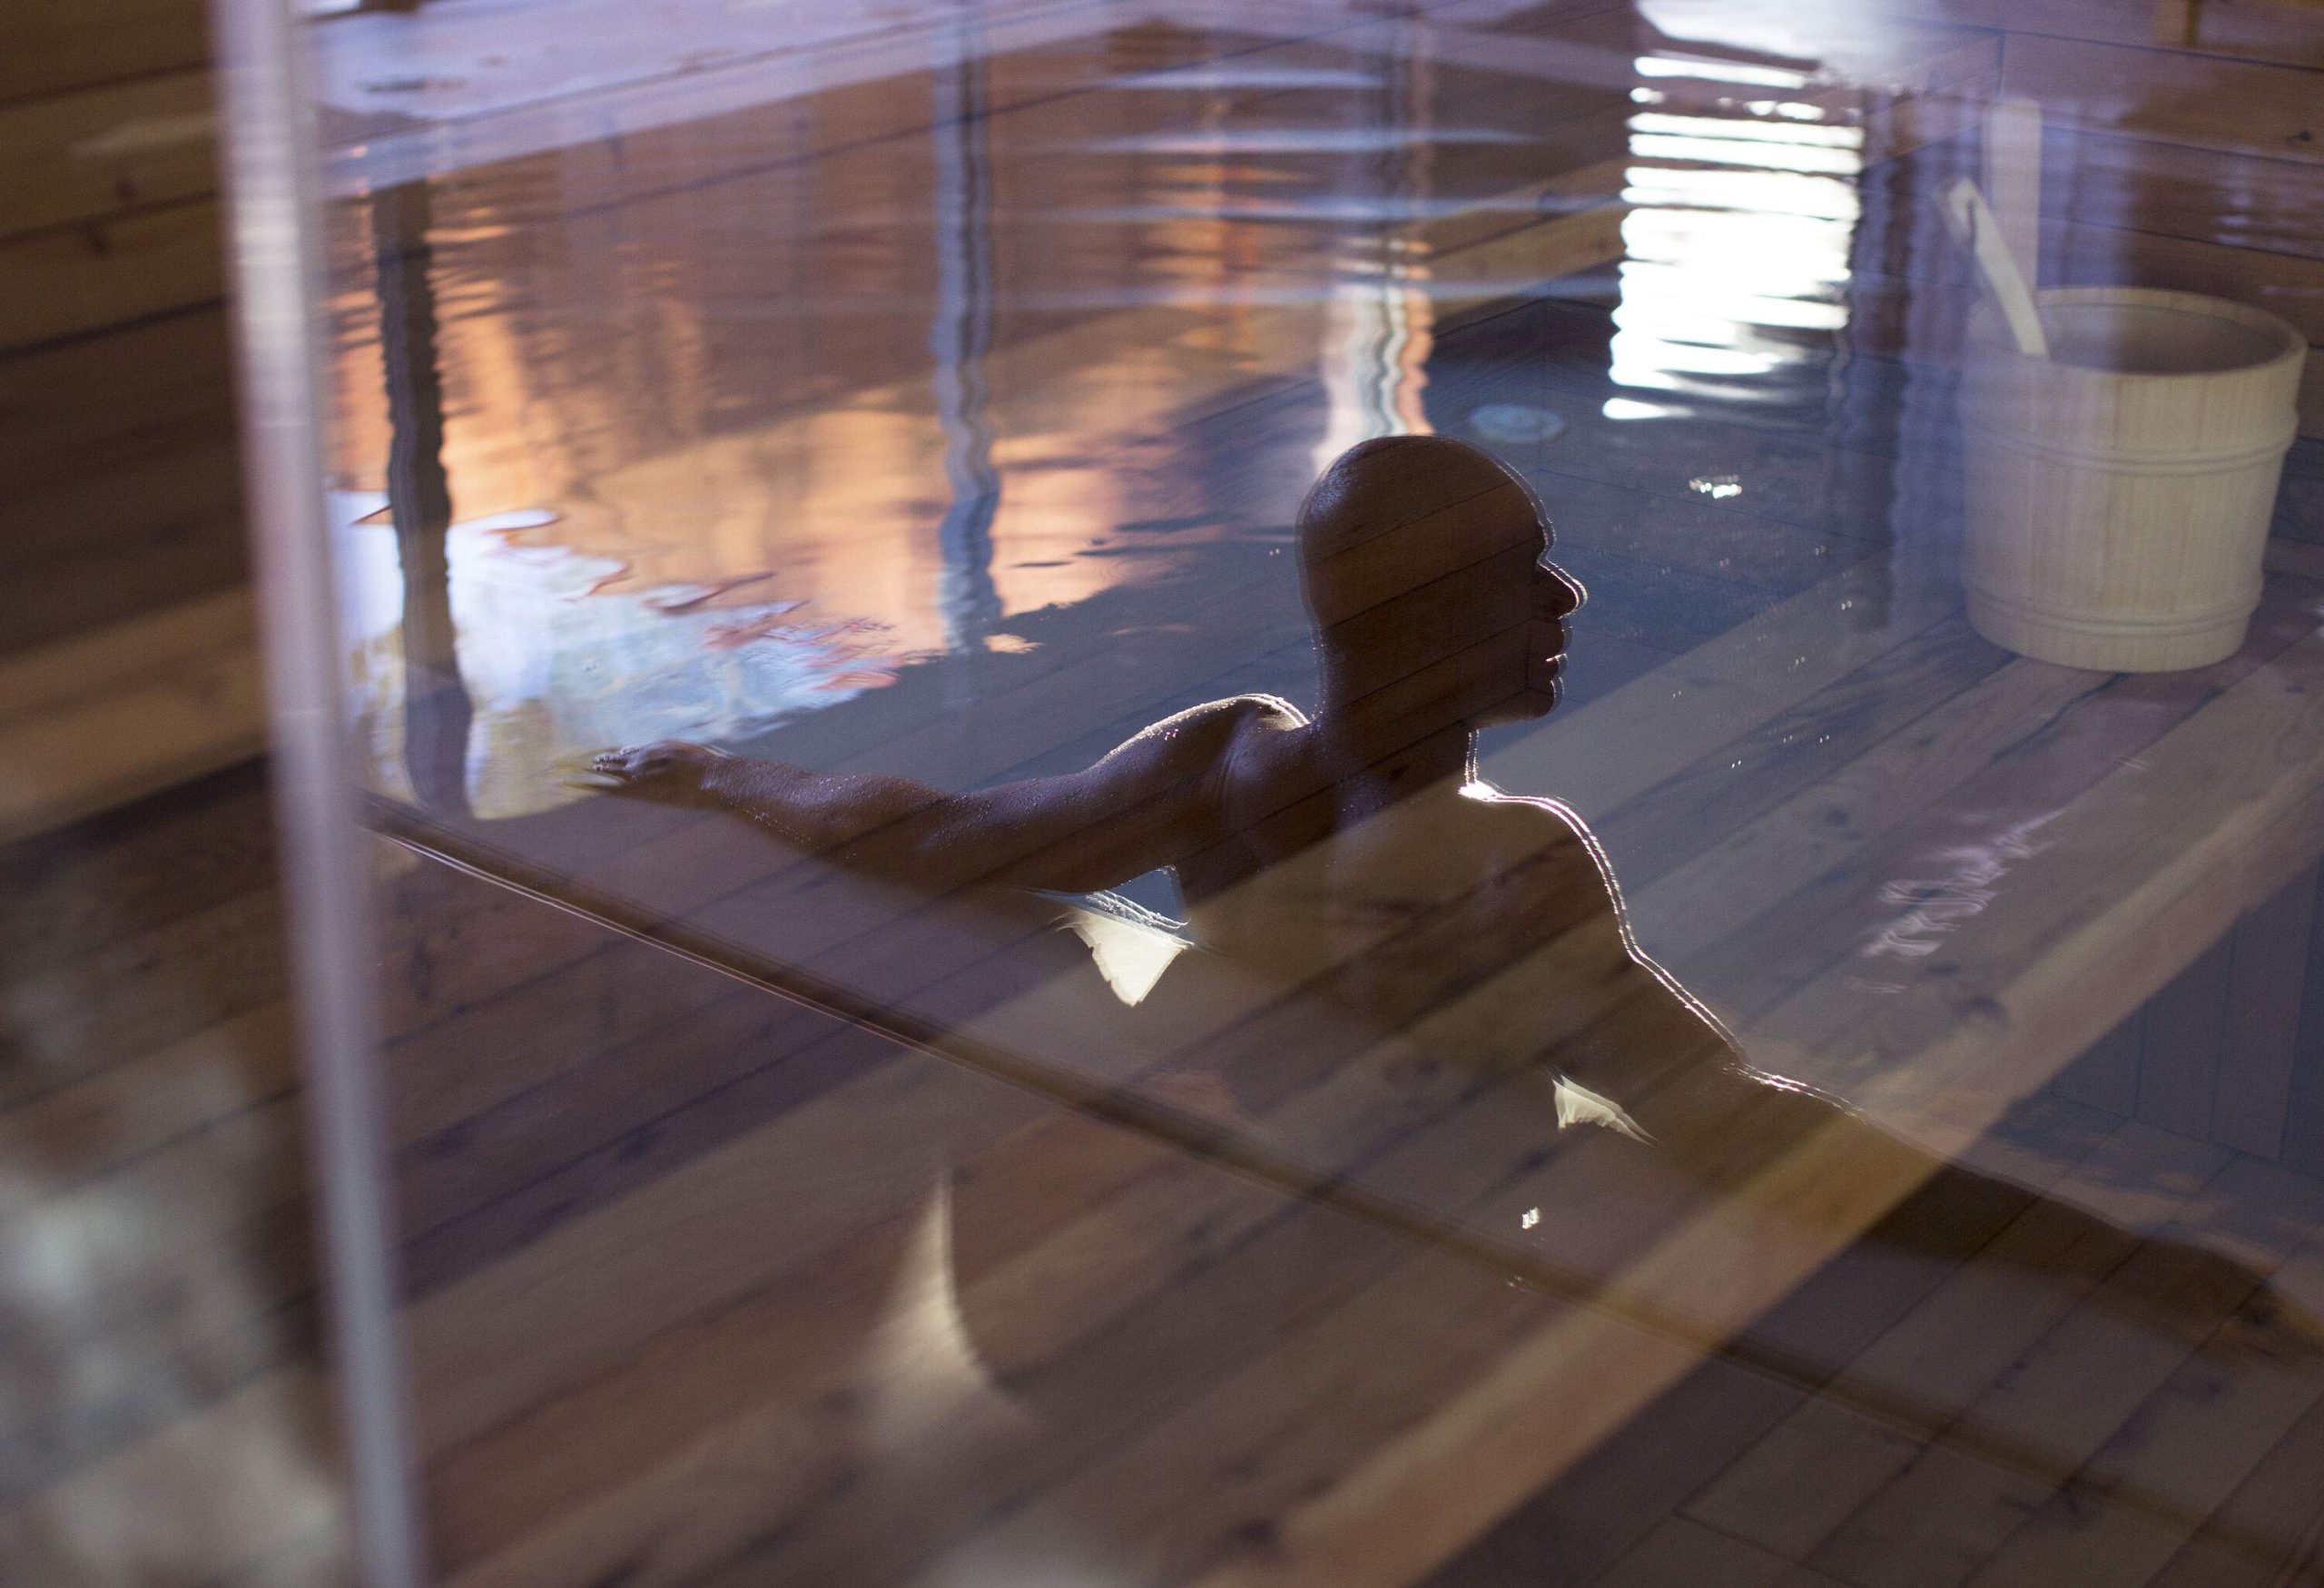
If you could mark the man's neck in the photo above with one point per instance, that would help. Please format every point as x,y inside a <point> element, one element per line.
<point>1392,766</point>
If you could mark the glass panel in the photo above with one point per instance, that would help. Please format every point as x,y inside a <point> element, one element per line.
<point>1489,793</point>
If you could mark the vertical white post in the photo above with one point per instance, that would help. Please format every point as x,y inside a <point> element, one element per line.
<point>273,261</point>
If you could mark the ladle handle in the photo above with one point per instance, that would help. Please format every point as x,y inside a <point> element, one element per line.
<point>1973,225</point>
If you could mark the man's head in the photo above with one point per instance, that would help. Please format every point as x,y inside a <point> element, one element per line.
<point>1421,553</point>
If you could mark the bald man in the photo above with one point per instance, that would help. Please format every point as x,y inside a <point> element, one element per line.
<point>1356,856</point>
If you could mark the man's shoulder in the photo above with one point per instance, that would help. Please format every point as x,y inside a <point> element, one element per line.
<point>1261,711</point>
<point>1235,722</point>
<point>1216,742</point>
<point>1263,734</point>
<point>1536,817</point>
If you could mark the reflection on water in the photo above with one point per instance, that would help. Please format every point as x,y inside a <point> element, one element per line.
<point>1240,76</point>
<point>958,341</point>
<point>807,424</point>
<point>1225,141</point>
<point>557,658</point>
<point>1311,210</point>
<point>1703,69</point>
<point>1739,242</point>
<point>1966,880</point>
<point>800,429</point>
<point>1378,334</point>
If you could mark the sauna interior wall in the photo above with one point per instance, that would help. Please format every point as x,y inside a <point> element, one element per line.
<point>2182,164</point>
<point>2184,144</point>
<point>149,1115</point>
<point>120,486</point>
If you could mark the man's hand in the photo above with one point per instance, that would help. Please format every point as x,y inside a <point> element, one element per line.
<point>798,807</point>
<point>666,769</point>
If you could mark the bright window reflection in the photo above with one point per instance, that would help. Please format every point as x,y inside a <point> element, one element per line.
<point>1738,242</point>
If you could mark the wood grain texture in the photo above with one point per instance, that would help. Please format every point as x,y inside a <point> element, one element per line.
<point>124,492</point>
<point>2127,208</point>
<point>2195,896</point>
<point>1503,1401</point>
<point>1816,783</point>
<point>1825,1460</point>
<point>98,273</point>
<point>2303,1135</point>
<point>728,1382</point>
<point>1876,906</point>
<point>1949,1509</point>
<point>75,157</point>
<point>2107,1075</point>
<point>2119,496</point>
<point>2278,34</point>
<point>2118,182</point>
<point>1620,1492</point>
<point>1810,1469</point>
<point>98,721</point>
<point>1942,1520</point>
<point>2283,281</point>
<point>2212,1423</point>
<point>2276,1502</point>
<point>2267,985</point>
<point>2167,95</point>
<point>167,1124</point>
<point>80,1132</point>
<point>1687,1552</point>
<point>2183,1031</point>
<point>53,49</point>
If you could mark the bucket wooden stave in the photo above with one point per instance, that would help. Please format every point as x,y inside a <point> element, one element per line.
<point>2119,492</point>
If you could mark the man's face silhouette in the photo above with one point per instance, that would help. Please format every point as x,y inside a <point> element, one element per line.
<point>1424,557</point>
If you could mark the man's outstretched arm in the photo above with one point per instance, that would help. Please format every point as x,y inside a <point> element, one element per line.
<point>1149,803</point>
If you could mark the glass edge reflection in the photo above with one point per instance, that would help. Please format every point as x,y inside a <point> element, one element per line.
<point>273,263</point>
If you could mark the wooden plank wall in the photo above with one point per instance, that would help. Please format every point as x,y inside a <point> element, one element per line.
<point>2176,154</point>
<point>2232,1051</point>
<point>108,187</point>
<point>120,490</point>
<point>148,941</point>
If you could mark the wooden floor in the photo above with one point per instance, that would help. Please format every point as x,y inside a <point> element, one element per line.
<point>705,1286</point>
<point>2181,1462</point>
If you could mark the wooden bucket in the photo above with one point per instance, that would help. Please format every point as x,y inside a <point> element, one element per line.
<point>2119,492</point>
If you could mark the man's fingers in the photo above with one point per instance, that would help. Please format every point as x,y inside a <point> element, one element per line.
<point>634,761</point>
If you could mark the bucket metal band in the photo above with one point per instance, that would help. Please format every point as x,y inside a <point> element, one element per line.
<point>2081,620</point>
<point>2116,460</point>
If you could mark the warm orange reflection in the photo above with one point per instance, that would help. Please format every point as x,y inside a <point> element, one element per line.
<point>745,493</point>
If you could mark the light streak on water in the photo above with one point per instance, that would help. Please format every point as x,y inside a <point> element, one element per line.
<point>1735,254</point>
<point>1709,71</point>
